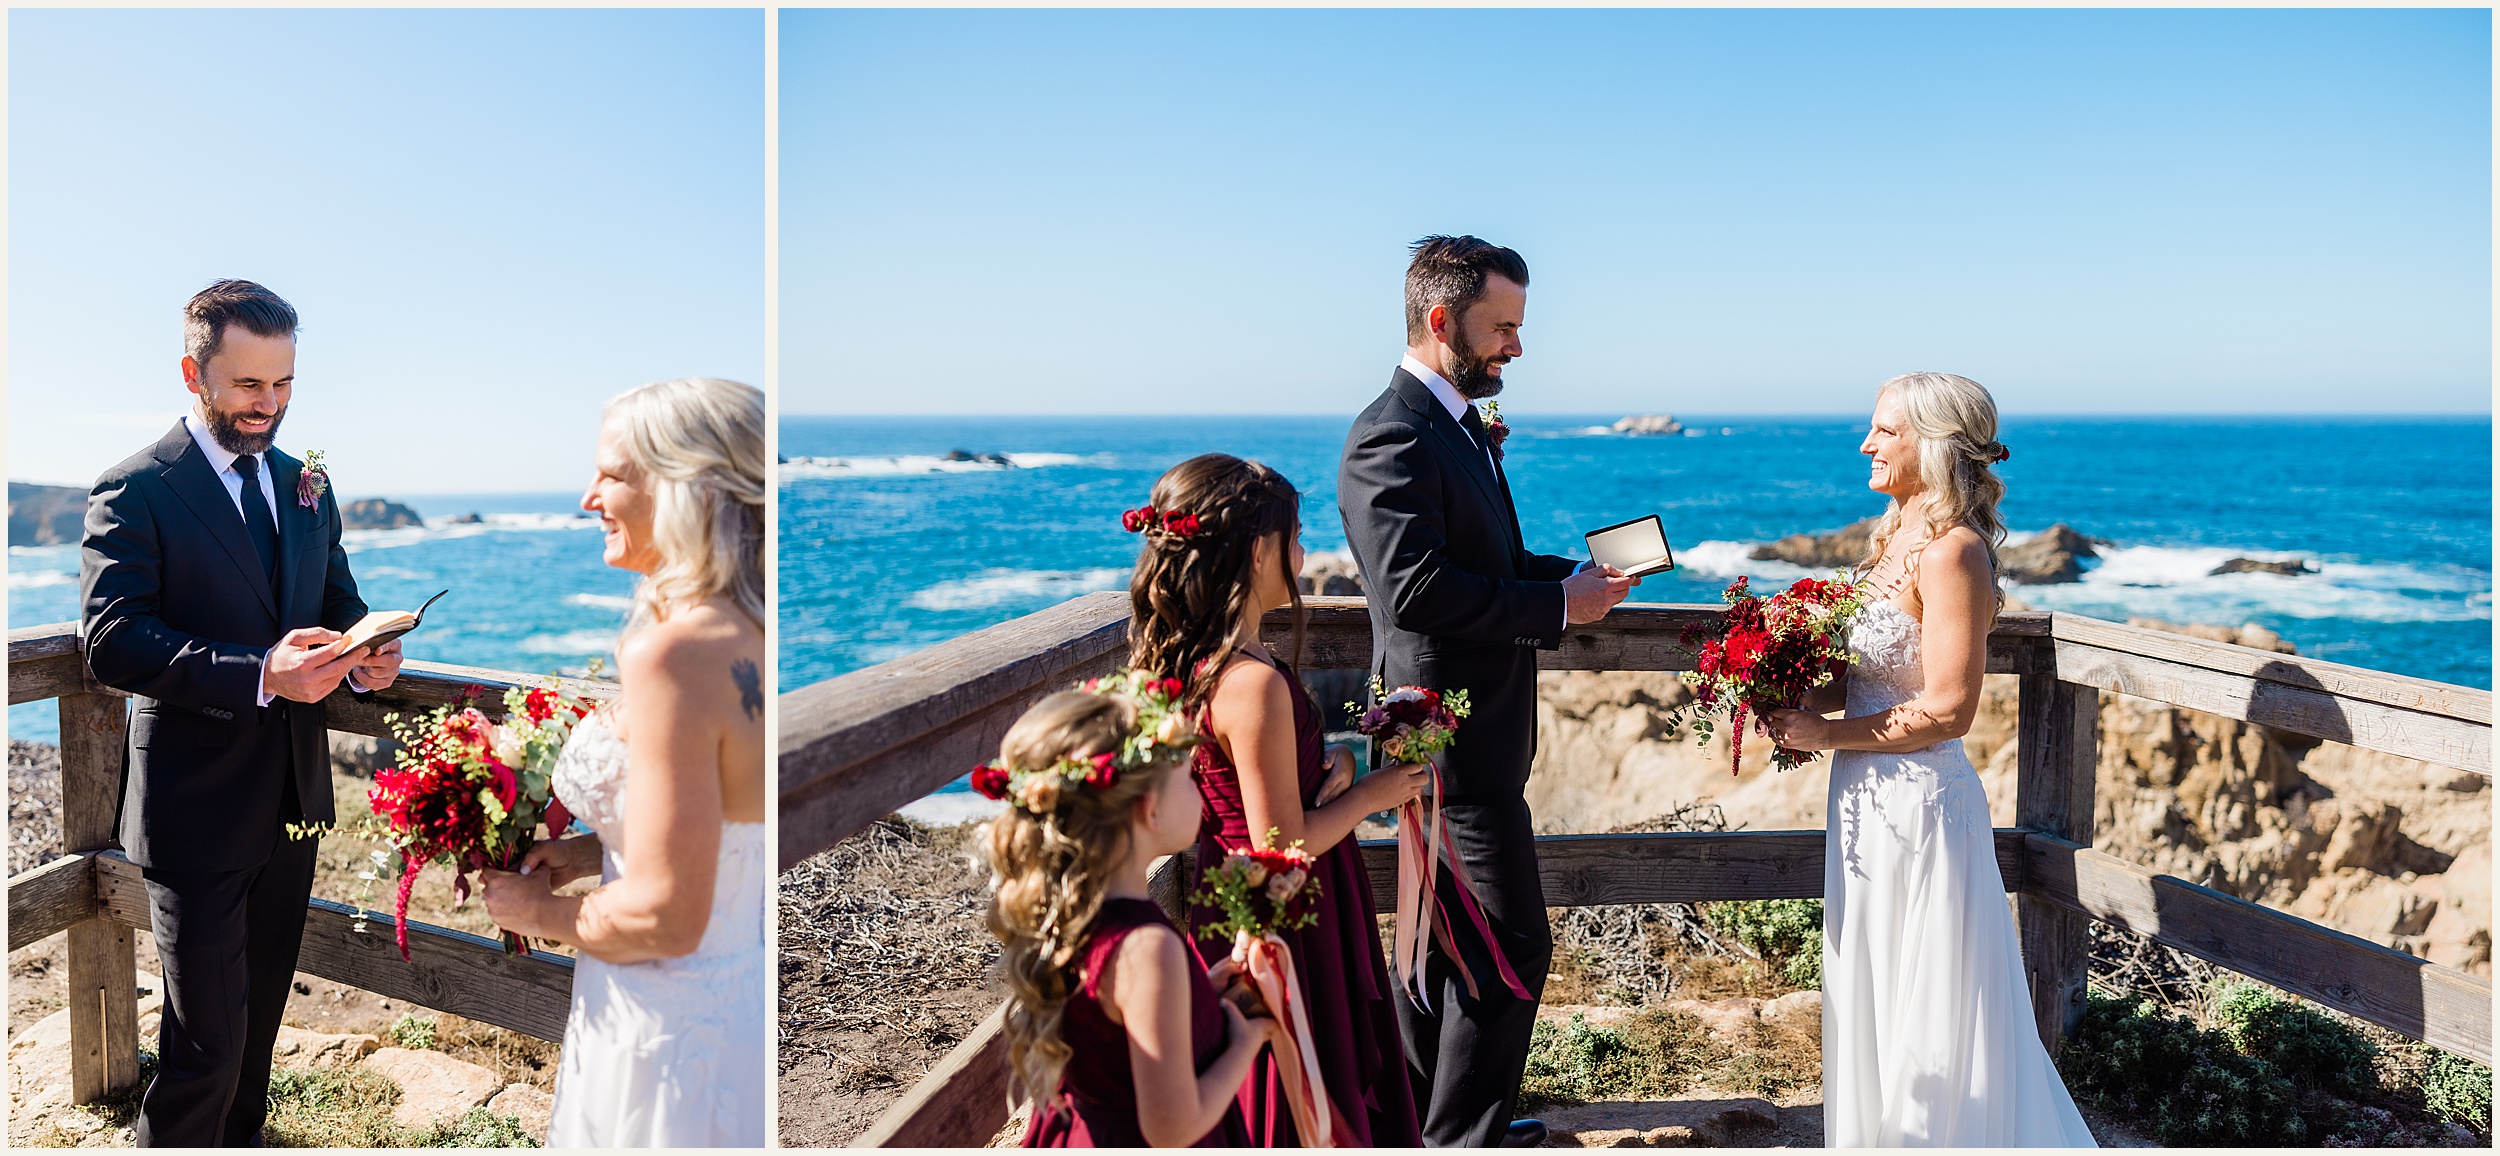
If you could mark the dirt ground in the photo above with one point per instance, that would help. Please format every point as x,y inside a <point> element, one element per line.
<point>37,972</point>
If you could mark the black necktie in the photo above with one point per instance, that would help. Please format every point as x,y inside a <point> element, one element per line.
<point>1474,421</point>
<point>257,523</point>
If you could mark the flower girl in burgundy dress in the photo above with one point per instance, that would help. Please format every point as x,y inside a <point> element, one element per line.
<point>1223,548</point>
<point>1115,1031</point>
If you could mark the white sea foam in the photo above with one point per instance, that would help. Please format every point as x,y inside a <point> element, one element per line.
<point>1002,587</point>
<point>601,601</point>
<point>2177,583</point>
<point>947,808</point>
<point>30,579</point>
<point>910,464</point>
<point>570,642</point>
<point>42,551</point>
<point>444,529</point>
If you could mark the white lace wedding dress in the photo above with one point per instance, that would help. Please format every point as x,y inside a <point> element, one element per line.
<point>667,1053</point>
<point>1928,1036</point>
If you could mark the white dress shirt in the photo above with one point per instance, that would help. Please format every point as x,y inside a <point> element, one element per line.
<point>222,461</point>
<point>1457,405</point>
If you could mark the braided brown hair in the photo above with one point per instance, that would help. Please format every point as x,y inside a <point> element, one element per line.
<point>1189,589</point>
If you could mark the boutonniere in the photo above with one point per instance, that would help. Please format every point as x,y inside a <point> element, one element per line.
<point>313,482</point>
<point>1496,431</point>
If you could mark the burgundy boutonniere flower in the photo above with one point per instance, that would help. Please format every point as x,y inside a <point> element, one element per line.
<point>313,482</point>
<point>1496,431</point>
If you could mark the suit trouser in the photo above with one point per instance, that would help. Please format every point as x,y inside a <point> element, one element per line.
<point>1466,1055</point>
<point>228,942</point>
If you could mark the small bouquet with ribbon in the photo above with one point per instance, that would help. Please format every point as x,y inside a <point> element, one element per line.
<point>1415,724</point>
<point>1769,652</point>
<point>1261,894</point>
<point>470,792</point>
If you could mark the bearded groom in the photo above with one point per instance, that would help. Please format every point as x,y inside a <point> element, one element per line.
<point>1458,603</point>
<point>213,588</point>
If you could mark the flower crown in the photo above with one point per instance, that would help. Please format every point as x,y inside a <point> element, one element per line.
<point>1162,730</point>
<point>1172,522</point>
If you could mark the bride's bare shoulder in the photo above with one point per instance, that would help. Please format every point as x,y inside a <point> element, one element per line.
<point>704,647</point>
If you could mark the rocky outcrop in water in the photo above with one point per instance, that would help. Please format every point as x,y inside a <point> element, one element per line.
<point>2291,569</point>
<point>2055,556</point>
<point>46,515</point>
<point>1648,425</point>
<point>378,514</point>
<point>1834,550</point>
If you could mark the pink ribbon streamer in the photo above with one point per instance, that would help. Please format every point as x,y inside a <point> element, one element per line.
<point>1269,963</point>
<point>1423,847</point>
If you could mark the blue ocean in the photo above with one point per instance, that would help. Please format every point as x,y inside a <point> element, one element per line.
<point>528,591</point>
<point>887,546</point>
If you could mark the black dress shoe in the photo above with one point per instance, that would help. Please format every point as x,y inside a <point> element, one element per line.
<point>1524,1134</point>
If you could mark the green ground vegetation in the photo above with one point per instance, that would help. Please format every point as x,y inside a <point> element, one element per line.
<point>1786,933</point>
<point>2259,1067</point>
<point>314,1108</point>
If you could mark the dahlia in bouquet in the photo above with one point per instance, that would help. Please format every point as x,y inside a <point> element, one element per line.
<point>1769,652</point>
<point>1415,724</point>
<point>469,791</point>
<point>1261,893</point>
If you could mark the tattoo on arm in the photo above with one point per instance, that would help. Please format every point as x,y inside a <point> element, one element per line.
<point>750,687</point>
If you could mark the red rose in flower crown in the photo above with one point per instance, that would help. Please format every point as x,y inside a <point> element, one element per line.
<point>1768,653</point>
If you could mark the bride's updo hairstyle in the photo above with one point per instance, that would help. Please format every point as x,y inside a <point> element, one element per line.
<point>1050,868</point>
<point>698,444</point>
<point>1193,577</point>
<point>1955,421</point>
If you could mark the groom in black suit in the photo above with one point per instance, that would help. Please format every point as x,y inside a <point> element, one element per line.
<point>213,590</point>
<point>1458,603</point>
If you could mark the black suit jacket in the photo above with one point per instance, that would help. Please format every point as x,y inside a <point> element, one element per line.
<point>1457,601</point>
<point>175,610</point>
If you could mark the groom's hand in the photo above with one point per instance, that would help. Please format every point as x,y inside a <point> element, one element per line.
<point>1593,590</point>
<point>306,665</point>
<point>378,668</point>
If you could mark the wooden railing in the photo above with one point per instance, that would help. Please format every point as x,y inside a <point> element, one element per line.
<point>96,895</point>
<point>859,746</point>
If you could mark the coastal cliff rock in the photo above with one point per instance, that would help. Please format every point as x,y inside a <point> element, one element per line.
<point>46,515</point>
<point>1648,425</point>
<point>378,514</point>
<point>2055,556</point>
<point>2291,569</point>
<point>1833,550</point>
<point>2387,848</point>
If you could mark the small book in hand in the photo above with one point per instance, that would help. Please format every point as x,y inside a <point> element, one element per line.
<point>1638,547</point>
<point>377,629</point>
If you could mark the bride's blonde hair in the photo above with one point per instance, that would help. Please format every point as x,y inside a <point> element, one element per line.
<point>698,446</point>
<point>1955,421</point>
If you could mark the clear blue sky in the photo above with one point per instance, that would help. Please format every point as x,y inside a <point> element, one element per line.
<point>1750,211</point>
<point>490,221</point>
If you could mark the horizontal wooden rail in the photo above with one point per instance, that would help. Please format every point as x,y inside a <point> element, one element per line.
<point>45,662</point>
<point>2446,740</point>
<point>2404,994</point>
<point>451,971</point>
<point>2463,703</point>
<point>858,746</point>
<point>961,1103</point>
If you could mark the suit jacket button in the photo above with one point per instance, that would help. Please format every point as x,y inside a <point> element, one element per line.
<point>213,712</point>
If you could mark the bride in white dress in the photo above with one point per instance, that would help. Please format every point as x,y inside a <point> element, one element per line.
<point>1928,1034</point>
<point>666,1042</point>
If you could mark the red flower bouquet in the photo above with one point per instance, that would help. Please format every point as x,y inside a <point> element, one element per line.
<point>1769,652</point>
<point>1411,724</point>
<point>1261,893</point>
<point>471,792</point>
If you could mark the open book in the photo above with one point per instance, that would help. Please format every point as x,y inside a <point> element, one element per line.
<point>1638,547</point>
<point>378,628</point>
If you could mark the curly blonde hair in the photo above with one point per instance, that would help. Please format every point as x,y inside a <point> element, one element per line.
<point>1955,421</point>
<point>697,444</point>
<point>1050,871</point>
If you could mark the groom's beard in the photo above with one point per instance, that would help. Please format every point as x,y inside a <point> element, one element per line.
<point>221,425</point>
<point>1472,376</point>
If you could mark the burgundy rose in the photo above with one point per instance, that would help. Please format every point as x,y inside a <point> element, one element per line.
<point>990,780</point>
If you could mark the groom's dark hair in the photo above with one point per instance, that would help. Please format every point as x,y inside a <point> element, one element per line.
<point>1450,272</point>
<point>231,302</point>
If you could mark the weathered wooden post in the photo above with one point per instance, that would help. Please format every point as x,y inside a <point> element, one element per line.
<point>103,971</point>
<point>2059,749</point>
